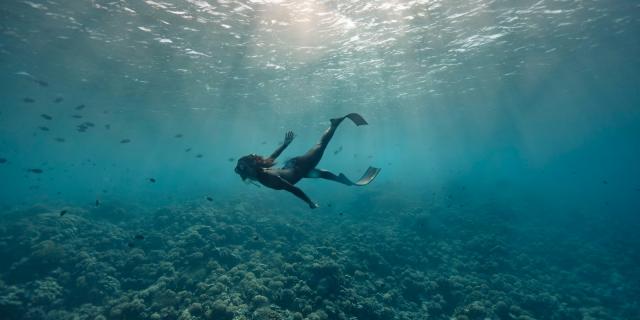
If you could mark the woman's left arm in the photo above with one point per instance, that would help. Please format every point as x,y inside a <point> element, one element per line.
<point>288,137</point>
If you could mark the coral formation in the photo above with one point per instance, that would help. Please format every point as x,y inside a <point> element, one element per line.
<point>234,261</point>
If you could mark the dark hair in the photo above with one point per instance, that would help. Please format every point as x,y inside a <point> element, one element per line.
<point>257,161</point>
<point>249,165</point>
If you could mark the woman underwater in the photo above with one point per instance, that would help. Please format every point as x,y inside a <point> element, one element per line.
<point>258,168</point>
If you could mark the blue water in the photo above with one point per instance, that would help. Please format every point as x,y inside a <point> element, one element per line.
<point>507,133</point>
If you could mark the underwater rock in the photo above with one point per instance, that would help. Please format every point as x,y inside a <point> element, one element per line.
<point>48,251</point>
<point>105,286</point>
<point>318,315</point>
<point>267,313</point>
<point>45,292</point>
<point>220,310</point>
<point>196,309</point>
<point>285,297</point>
<point>259,300</point>
<point>326,277</point>
<point>134,309</point>
<point>12,301</point>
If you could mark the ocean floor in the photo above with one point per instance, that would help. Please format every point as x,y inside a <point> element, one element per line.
<point>235,260</point>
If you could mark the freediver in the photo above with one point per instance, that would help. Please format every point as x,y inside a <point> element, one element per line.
<point>258,168</point>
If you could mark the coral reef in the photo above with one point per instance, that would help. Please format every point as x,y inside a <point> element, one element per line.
<point>235,261</point>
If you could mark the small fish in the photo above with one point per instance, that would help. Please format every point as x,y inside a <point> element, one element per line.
<point>37,171</point>
<point>3,160</point>
<point>264,142</point>
<point>26,74</point>
<point>605,182</point>
<point>97,203</point>
<point>76,116</point>
<point>28,100</point>
<point>89,124</point>
<point>179,135</point>
<point>125,141</point>
<point>139,237</point>
<point>107,126</point>
<point>46,116</point>
<point>329,205</point>
<point>63,212</point>
<point>130,244</point>
<point>338,150</point>
<point>232,159</point>
<point>187,149</point>
<point>152,180</point>
<point>340,213</point>
<point>199,155</point>
<point>60,139</point>
<point>58,100</point>
<point>80,107</point>
<point>255,238</point>
<point>209,199</point>
<point>42,83</point>
<point>43,128</point>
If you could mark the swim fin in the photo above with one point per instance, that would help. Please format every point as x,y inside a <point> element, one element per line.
<point>366,178</point>
<point>357,119</point>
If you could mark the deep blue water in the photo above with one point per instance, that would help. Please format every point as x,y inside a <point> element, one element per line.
<point>507,133</point>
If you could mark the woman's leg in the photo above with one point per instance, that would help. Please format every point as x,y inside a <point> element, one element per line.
<point>328,175</point>
<point>366,178</point>
<point>310,160</point>
<point>305,163</point>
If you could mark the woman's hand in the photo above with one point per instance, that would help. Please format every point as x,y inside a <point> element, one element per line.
<point>288,137</point>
